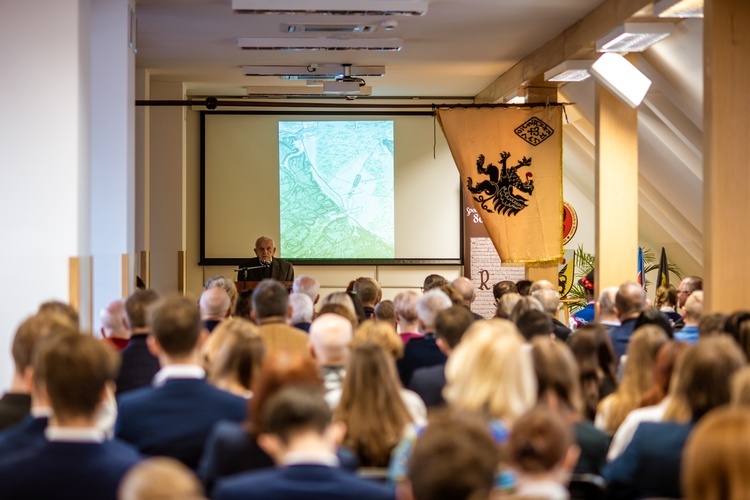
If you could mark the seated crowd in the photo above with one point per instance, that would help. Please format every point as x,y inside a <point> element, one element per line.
<point>278,395</point>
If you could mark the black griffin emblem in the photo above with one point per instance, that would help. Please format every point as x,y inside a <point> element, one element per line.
<point>499,188</point>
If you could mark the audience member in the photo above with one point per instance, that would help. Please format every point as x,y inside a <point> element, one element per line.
<point>455,297</point>
<point>605,308</point>
<point>741,387</point>
<point>651,316</point>
<point>114,328</point>
<point>543,455</point>
<point>343,299</point>
<point>524,304</point>
<point>272,311</point>
<point>303,311</point>
<point>373,406</point>
<point>359,309</point>
<point>586,314</point>
<point>738,327</point>
<point>534,323</point>
<point>423,351</point>
<point>687,286</point>
<point>433,281</point>
<point>215,305</point>
<point>450,325</point>
<point>244,306</point>
<point>138,364</point>
<point>238,358</point>
<point>550,300</point>
<point>405,305</point>
<point>637,379</point>
<point>302,440</point>
<point>465,288</point>
<point>340,310</point>
<point>523,287</point>
<point>693,311</point>
<point>227,285</point>
<point>665,302</point>
<point>369,293</point>
<point>650,465</point>
<point>330,340</point>
<point>385,311</point>
<point>712,324</point>
<point>56,306</point>
<point>559,391</point>
<point>456,458</point>
<point>174,417</point>
<point>307,285</point>
<point>160,478</point>
<point>716,457</point>
<point>630,301</point>
<point>506,304</point>
<point>501,288</point>
<point>75,460</point>
<point>382,334</point>
<point>593,352</point>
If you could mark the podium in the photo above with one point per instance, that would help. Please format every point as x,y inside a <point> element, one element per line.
<point>251,285</point>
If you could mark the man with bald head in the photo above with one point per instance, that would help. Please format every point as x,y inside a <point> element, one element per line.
<point>307,285</point>
<point>215,306</point>
<point>630,301</point>
<point>264,265</point>
<point>465,287</point>
<point>330,339</point>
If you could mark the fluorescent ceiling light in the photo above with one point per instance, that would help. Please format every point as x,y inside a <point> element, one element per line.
<point>312,71</point>
<point>328,28</point>
<point>621,78</point>
<point>300,91</point>
<point>569,71</point>
<point>679,8</point>
<point>333,7</point>
<point>633,37</point>
<point>371,44</point>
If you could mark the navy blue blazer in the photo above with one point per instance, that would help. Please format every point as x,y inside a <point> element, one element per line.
<point>138,365</point>
<point>174,420</point>
<point>428,382</point>
<point>13,409</point>
<point>620,336</point>
<point>650,465</point>
<point>68,470</point>
<point>418,353</point>
<point>28,435</point>
<point>301,482</point>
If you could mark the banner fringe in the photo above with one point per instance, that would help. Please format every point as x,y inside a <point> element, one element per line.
<point>535,262</point>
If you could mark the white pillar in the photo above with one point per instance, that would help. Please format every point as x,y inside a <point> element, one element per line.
<point>44,140</point>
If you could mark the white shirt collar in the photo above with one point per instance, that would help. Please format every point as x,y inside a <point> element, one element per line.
<point>41,411</point>
<point>311,458</point>
<point>178,371</point>
<point>74,435</point>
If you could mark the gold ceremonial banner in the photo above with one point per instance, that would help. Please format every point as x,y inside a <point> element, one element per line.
<point>510,160</point>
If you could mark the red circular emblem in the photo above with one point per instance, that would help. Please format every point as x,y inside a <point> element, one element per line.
<point>570,222</point>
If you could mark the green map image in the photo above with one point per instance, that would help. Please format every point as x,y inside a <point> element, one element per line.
<point>336,189</point>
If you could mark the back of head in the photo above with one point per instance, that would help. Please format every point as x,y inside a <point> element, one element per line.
<point>215,303</point>
<point>75,370</point>
<point>490,373</point>
<point>330,338</point>
<point>716,457</point>
<point>367,289</point>
<point>342,299</point>
<point>113,317</point>
<point>523,287</point>
<point>385,311</point>
<point>506,304</point>
<point>56,306</point>
<point>643,347</point>
<point>225,284</point>
<point>502,287</point>
<point>741,387</point>
<point>452,323</point>
<point>452,293</point>
<point>668,357</point>
<point>550,300</point>
<point>433,281</point>
<point>380,333</point>
<point>693,283</point>
<point>712,324</point>
<point>342,311</point>
<point>630,299</point>
<point>244,305</point>
<point>704,379</point>
<point>240,354</point>
<point>524,304</point>
<point>307,285</point>
<point>465,287</point>
<point>651,316</point>
<point>454,458</point>
<point>302,308</point>
<point>429,304</point>
<point>606,300</point>
<point>137,306</point>
<point>534,323</point>
<point>666,296</point>
<point>557,374</point>
<point>176,325</point>
<point>694,307</point>
<point>539,441</point>
<point>160,478</point>
<point>595,357</point>
<point>542,285</point>
<point>295,409</point>
<point>31,332</point>
<point>405,305</point>
<point>270,299</point>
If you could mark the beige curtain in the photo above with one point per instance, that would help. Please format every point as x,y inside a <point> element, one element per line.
<point>510,160</point>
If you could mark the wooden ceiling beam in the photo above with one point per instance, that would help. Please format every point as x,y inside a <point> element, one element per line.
<point>576,42</point>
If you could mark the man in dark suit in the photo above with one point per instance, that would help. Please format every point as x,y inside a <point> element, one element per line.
<point>75,460</point>
<point>630,301</point>
<point>264,265</point>
<point>302,441</point>
<point>138,365</point>
<point>450,325</point>
<point>465,287</point>
<point>174,417</point>
<point>423,351</point>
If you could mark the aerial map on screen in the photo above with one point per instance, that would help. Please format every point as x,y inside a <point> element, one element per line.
<point>336,189</point>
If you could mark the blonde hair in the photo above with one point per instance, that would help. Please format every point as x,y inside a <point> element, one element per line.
<point>381,333</point>
<point>557,373</point>
<point>238,360</point>
<point>490,372</point>
<point>639,374</point>
<point>160,478</point>
<point>226,333</point>
<point>716,456</point>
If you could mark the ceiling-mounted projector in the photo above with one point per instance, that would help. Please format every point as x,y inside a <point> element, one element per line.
<point>345,87</point>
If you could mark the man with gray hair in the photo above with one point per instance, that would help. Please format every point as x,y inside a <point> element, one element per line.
<point>465,287</point>
<point>302,310</point>
<point>405,307</point>
<point>215,306</point>
<point>114,328</point>
<point>423,351</point>
<point>630,301</point>
<point>550,300</point>
<point>605,308</point>
<point>307,285</point>
<point>330,340</point>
